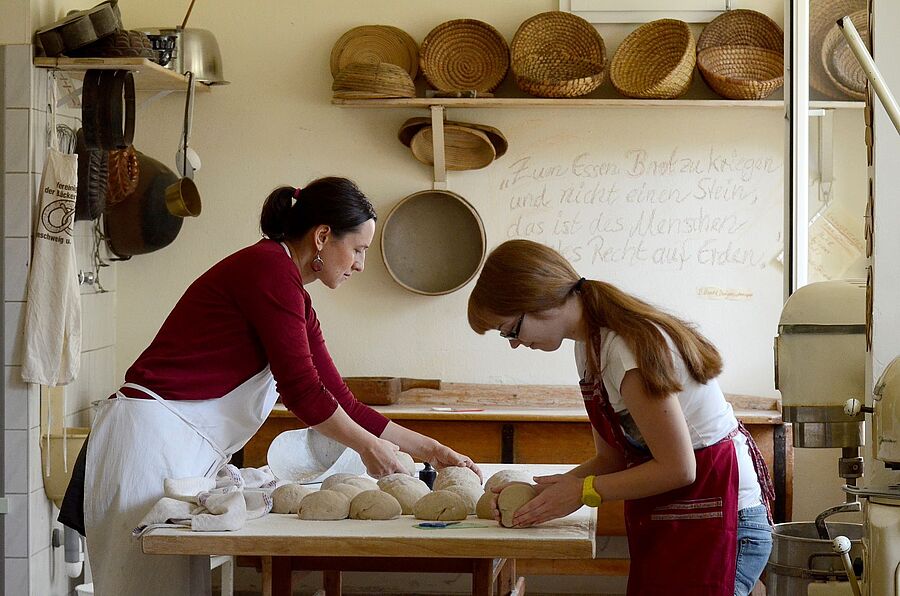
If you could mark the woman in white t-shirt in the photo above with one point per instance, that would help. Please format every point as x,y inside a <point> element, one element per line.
<point>696,489</point>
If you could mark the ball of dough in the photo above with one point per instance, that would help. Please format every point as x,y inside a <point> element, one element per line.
<point>361,482</point>
<point>347,490</point>
<point>506,476</point>
<point>406,489</point>
<point>469,492</point>
<point>324,505</point>
<point>374,504</point>
<point>286,498</point>
<point>441,505</point>
<point>407,461</point>
<point>336,479</point>
<point>512,498</point>
<point>483,506</point>
<point>455,475</point>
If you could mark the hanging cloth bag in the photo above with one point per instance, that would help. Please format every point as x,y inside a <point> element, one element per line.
<point>53,307</point>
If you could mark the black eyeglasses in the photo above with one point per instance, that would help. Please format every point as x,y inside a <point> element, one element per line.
<point>514,334</point>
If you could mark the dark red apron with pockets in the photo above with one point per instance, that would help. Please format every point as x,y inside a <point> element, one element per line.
<point>682,542</point>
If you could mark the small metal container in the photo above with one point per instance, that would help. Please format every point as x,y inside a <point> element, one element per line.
<point>196,50</point>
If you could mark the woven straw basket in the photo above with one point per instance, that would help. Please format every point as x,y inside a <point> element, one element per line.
<point>742,27</point>
<point>372,44</point>
<point>840,64</point>
<point>742,72</point>
<point>464,148</point>
<point>360,80</point>
<point>823,15</point>
<point>655,61</point>
<point>464,54</point>
<point>558,54</point>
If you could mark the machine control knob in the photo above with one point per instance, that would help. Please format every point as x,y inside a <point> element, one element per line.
<point>852,407</point>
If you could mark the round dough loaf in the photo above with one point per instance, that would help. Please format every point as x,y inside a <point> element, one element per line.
<point>406,489</point>
<point>469,492</point>
<point>408,462</point>
<point>374,504</point>
<point>506,476</point>
<point>512,498</point>
<point>455,475</point>
<point>348,490</point>
<point>286,498</point>
<point>324,505</point>
<point>337,479</point>
<point>361,482</point>
<point>483,506</point>
<point>441,505</point>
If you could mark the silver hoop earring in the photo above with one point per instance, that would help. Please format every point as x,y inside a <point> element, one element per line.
<point>317,263</point>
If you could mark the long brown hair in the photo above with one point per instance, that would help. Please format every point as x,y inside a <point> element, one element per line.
<point>521,276</point>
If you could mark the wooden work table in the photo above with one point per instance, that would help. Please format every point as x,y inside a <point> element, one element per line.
<point>480,547</point>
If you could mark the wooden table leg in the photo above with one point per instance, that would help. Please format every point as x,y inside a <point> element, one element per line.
<point>506,579</point>
<point>483,577</point>
<point>281,576</point>
<point>267,576</point>
<point>332,580</point>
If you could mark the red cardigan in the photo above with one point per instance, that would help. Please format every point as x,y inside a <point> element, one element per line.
<point>249,310</point>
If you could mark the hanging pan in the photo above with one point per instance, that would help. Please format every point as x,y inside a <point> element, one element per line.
<point>433,242</point>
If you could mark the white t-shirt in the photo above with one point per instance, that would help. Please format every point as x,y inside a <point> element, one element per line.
<point>708,415</point>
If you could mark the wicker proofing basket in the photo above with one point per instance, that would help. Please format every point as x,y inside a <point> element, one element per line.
<point>655,61</point>
<point>373,44</point>
<point>742,27</point>
<point>558,54</point>
<point>464,54</point>
<point>840,64</point>
<point>366,81</point>
<point>464,148</point>
<point>823,16</point>
<point>742,72</point>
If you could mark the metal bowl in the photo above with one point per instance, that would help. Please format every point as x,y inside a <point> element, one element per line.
<point>197,51</point>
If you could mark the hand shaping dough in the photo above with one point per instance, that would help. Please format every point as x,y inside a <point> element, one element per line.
<point>483,506</point>
<point>348,490</point>
<point>324,505</point>
<point>455,475</point>
<point>286,498</point>
<point>407,461</point>
<point>505,476</point>
<point>361,482</point>
<point>374,504</point>
<point>336,479</point>
<point>470,493</point>
<point>441,505</point>
<point>406,489</point>
<point>512,498</point>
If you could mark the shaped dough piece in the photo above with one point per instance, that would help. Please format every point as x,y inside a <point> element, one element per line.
<point>506,476</point>
<point>337,479</point>
<point>347,490</point>
<point>483,506</point>
<point>512,498</point>
<point>374,504</point>
<point>469,492</point>
<point>455,475</point>
<point>406,489</point>
<point>408,462</point>
<point>441,505</point>
<point>361,482</point>
<point>324,505</point>
<point>286,498</point>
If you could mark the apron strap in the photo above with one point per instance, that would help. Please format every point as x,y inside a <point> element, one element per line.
<point>175,411</point>
<point>766,488</point>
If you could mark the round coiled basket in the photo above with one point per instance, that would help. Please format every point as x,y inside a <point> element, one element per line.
<point>464,54</point>
<point>655,61</point>
<point>558,54</point>
<point>742,27</point>
<point>360,80</point>
<point>372,44</point>
<point>742,72</point>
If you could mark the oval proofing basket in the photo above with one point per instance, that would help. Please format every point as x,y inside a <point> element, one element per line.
<point>433,242</point>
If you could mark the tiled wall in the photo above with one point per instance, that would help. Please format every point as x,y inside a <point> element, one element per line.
<point>32,565</point>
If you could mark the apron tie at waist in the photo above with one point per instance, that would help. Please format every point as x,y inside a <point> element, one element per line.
<point>766,488</point>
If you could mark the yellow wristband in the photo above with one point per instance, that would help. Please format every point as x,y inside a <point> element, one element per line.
<point>589,496</point>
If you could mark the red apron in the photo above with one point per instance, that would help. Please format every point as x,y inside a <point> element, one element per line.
<point>682,542</point>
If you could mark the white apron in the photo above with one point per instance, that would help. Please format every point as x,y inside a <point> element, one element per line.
<point>134,445</point>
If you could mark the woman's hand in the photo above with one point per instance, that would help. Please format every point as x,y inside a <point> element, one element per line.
<point>558,496</point>
<point>380,458</point>
<point>444,457</point>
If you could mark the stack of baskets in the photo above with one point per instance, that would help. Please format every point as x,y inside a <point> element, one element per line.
<point>467,146</point>
<point>374,61</point>
<point>656,61</point>
<point>741,55</point>
<point>558,54</point>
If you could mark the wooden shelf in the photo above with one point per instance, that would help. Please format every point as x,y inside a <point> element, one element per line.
<point>150,75</point>
<point>537,102</point>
